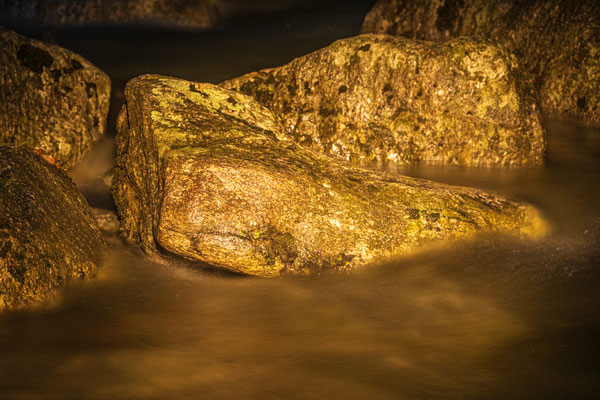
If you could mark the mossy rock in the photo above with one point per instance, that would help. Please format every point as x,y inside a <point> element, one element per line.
<point>379,98</point>
<point>48,234</point>
<point>208,174</point>
<point>558,42</point>
<point>52,98</point>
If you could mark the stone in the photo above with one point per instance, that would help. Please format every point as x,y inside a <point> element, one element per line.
<point>376,98</point>
<point>208,174</point>
<point>48,234</point>
<point>52,99</point>
<point>186,14</point>
<point>557,42</point>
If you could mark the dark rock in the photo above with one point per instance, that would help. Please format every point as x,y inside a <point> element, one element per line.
<point>52,98</point>
<point>558,42</point>
<point>380,98</point>
<point>48,234</point>
<point>188,14</point>
<point>207,174</point>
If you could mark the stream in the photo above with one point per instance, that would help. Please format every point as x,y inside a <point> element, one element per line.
<point>492,317</point>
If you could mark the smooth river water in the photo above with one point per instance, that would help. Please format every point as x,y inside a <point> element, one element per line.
<point>489,318</point>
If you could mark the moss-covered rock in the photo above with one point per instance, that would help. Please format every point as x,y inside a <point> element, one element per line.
<point>207,174</point>
<point>380,98</point>
<point>188,14</point>
<point>48,234</point>
<point>52,98</point>
<point>558,42</point>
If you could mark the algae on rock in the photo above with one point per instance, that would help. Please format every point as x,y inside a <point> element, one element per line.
<point>557,42</point>
<point>380,98</point>
<point>207,174</point>
<point>48,235</point>
<point>52,98</point>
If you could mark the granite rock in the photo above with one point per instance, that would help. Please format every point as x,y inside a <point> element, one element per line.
<point>48,234</point>
<point>52,99</point>
<point>208,174</point>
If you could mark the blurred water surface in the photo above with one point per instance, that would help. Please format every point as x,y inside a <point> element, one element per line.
<point>488,318</point>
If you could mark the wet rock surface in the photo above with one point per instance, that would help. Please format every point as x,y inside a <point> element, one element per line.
<point>379,98</point>
<point>192,14</point>
<point>558,42</point>
<point>48,234</point>
<point>207,174</point>
<point>52,98</point>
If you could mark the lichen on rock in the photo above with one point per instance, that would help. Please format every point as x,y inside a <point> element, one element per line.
<point>52,98</point>
<point>557,42</point>
<point>208,174</point>
<point>385,99</point>
<point>48,234</point>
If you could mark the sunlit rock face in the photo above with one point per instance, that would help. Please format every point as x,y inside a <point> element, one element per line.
<point>48,234</point>
<point>52,98</point>
<point>557,42</point>
<point>208,174</point>
<point>192,14</point>
<point>385,99</point>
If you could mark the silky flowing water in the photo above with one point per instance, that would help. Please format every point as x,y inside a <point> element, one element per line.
<point>488,318</point>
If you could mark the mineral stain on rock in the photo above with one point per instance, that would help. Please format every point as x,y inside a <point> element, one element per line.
<point>48,235</point>
<point>378,98</point>
<point>34,58</point>
<point>218,181</point>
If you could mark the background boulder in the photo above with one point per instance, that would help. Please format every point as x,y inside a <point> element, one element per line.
<point>557,42</point>
<point>52,98</point>
<point>380,98</point>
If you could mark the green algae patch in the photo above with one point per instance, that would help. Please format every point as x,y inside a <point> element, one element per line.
<point>48,235</point>
<point>376,98</point>
<point>557,42</point>
<point>207,174</point>
<point>52,98</point>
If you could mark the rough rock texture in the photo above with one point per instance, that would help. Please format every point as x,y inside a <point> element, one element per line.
<point>194,14</point>
<point>379,98</point>
<point>52,98</point>
<point>206,173</point>
<point>48,234</point>
<point>558,42</point>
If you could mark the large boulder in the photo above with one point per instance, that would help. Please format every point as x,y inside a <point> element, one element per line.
<point>380,98</point>
<point>188,14</point>
<point>207,174</point>
<point>558,42</point>
<point>48,234</point>
<point>52,98</point>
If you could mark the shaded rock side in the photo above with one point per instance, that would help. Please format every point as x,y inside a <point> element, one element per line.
<point>558,42</point>
<point>48,234</point>
<point>206,173</point>
<point>52,98</point>
<point>187,14</point>
<point>380,98</point>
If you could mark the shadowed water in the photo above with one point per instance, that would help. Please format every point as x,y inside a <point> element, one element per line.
<point>488,318</point>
